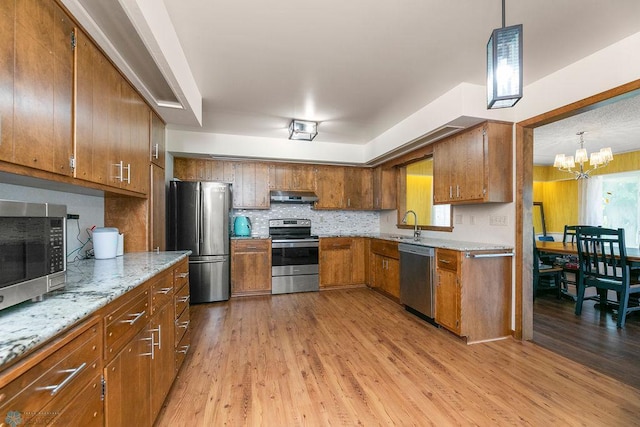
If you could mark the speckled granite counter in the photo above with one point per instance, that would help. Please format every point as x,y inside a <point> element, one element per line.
<point>91,284</point>
<point>456,245</point>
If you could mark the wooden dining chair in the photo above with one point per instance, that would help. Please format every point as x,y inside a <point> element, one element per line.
<point>569,267</point>
<point>602,260</point>
<point>541,270</point>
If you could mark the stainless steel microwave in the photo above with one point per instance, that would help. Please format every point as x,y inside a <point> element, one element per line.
<point>33,247</point>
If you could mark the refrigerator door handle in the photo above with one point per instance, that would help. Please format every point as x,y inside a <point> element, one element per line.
<point>199,210</point>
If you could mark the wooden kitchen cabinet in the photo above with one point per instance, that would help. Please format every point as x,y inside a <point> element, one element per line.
<point>127,378</point>
<point>384,188</point>
<point>157,211</point>
<point>250,266</point>
<point>470,167</point>
<point>329,187</point>
<point>39,72</point>
<point>358,188</point>
<point>163,360</point>
<point>181,331</point>
<point>157,142</point>
<point>473,293</point>
<point>71,366</point>
<point>385,267</point>
<point>286,176</point>
<point>342,261</point>
<point>251,186</point>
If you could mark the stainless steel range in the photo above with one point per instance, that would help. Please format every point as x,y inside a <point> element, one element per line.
<point>294,256</point>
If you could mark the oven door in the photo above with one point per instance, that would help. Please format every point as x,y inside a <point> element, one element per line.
<point>294,257</point>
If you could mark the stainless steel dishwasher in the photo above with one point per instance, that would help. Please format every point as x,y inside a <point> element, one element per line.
<point>416,280</point>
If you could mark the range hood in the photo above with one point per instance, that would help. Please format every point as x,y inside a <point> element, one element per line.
<point>293,197</point>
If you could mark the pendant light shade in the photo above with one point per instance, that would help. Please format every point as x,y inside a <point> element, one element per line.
<point>504,67</point>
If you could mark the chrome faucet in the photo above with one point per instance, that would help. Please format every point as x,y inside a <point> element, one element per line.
<point>416,231</point>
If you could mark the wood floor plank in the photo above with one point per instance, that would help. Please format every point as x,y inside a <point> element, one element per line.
<point>354,357</point>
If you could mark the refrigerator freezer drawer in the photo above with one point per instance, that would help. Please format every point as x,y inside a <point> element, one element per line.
<point>209,279</point>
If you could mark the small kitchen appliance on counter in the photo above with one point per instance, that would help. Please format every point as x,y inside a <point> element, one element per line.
<point>105,242</point>
<point>242,226</point>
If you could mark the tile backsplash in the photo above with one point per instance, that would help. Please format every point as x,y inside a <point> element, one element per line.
<point>322,222</point>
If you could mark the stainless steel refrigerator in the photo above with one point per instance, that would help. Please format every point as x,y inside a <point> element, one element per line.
<point>199,222</point>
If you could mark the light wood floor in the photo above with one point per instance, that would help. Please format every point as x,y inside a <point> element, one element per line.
<point>353,357</point>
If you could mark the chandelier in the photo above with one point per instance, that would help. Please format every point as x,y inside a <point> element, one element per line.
<point>596,160</point>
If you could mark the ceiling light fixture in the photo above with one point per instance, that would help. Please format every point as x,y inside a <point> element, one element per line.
<point>302,130</point>
<point>504,66</point>
<point>596,160</point>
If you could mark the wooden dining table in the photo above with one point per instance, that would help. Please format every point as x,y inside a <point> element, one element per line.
<point>633,254</point>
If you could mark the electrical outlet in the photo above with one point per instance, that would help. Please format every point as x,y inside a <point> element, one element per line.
<point>498,220</point>
<point>458,219</point>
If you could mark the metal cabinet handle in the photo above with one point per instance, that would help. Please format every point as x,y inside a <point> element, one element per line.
<point>183,275</point>
<point>120,175</point>
<point>164,291</point>
<point>152,353</point>
<point>457,191</point>
<point>185,349</point>
<point>128,173</point>
<point>444,261</point>
<point>159,331</point>
<point>135,319</point>
<point>72,374</point>
<point>183,325</point>
<point>184,299</point>
<point>451,192</point>
<point>156,154</point>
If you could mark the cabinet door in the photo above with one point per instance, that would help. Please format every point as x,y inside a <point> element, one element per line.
<point>443,165</point>
<point>448,300</point>
<point>127,377</point>
<point>302,177</point>
<point>157,146</point>
<point>335,261</point>
<point>250,267</point>
<point>280,177</point>
<point>358,260</point>
<point>329,186</point>
<point>163,361</point>
<point>7,22</point>
<point>251,186</point>
<point>184,169</point>
<point>470,168</point>
<point>43,87</point>
<point>358,188</point>
<point>157,214</point>
<point>139,149</point>
<point>384,188</point>
<point>392,277</point>
<point>218,170</point>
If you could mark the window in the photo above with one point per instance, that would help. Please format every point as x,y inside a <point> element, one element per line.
<point>417,196</point>
<point>613,201</point>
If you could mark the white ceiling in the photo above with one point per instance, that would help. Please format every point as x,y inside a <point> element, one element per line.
<point>358,67</point>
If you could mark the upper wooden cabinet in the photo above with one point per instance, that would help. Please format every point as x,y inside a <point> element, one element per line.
<point>384,187</point>
<point>203,170</point>
<point>474,166</point>
<point>340,187</point>
<point>36,89</point>
<point>285,176</point>
<point>157,142</point>
<point>251,186</point>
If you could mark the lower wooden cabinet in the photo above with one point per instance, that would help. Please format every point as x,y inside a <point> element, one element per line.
<point>162,358</point>
<point>61,381</point>
<point>342,261</point>
<point>127,379</point>
<point>473,294</point>
<point>250,266</point>
<point>385,267</point>
<point>181,339</point>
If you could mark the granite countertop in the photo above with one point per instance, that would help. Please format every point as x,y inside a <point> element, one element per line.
<point>463,246</point>
<point>91,284</point>
<point>250,237</point>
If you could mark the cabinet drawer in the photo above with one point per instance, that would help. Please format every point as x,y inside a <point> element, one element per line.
<point>87,410</point>
<point>382,247</point>
<point>251,245</point>
<point>181,300</point>
<point>161,292</point>
<point>182,349</point>
<point>181,274</point>
<point>56,380</point>
<point>125,322</point>
<point>447,260</point>
<point>182,326</point>
<point>336,243</point>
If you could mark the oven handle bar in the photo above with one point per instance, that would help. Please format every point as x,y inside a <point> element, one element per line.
<point>302,243</point>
